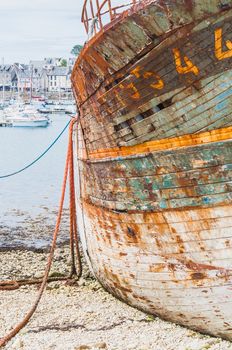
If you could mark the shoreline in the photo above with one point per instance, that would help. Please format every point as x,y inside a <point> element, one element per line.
<point>32,232</point>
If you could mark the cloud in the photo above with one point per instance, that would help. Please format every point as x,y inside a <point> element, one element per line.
<point>41,5</point>
<point>30,26</point>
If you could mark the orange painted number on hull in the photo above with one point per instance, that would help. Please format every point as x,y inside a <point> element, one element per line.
<point>136,72</point>
<point>189,68</point>
<point>159,84</point>
<point>136,94</point>
<point>220,55</point>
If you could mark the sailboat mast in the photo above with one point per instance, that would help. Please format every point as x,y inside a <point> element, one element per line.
<point>3,84</point>
<point>31,77</point>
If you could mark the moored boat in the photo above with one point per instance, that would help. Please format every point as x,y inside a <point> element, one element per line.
<point>25,116</point>
<point>27,121</point>
<point>154,151</point>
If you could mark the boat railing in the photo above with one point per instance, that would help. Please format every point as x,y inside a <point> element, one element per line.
<point>97,13</point>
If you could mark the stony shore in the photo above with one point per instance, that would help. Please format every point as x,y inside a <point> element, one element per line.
<point>82,315</point>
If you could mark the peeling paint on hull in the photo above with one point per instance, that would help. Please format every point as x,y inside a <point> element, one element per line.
<point>154,160</point>
<point>168,264</point>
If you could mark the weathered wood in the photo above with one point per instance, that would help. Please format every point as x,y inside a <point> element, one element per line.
<point>165,21</point>
<point>160,291</point>
<point>203,59</point>
<point>181,117</point>
<point>151,135</point>
<point>155,160</point>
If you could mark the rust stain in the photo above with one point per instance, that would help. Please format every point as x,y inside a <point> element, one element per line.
<point>198,276</point>
<point>155,179</point>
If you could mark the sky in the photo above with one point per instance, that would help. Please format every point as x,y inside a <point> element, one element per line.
<point>34,29</point>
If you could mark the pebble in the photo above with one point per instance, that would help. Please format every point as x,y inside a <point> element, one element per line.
<point>96,346</point>
<point>84,312</point>
<point>18,344</point>
<point>101,345</point>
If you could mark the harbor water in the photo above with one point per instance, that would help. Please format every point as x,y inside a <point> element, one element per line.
<point>29,200</point>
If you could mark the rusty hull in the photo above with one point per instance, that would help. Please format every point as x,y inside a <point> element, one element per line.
<point>154,160</point>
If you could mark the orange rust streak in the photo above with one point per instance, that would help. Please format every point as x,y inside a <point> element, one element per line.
<point>165,144</point>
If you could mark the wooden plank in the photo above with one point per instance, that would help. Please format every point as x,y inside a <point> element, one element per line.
<point>194,46</point>
<point>187,16</point>
<point>130,140</point>
<point>166,291</point>
<point>156,216</point>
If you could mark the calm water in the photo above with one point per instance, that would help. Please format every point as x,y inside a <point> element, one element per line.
<point>33,194</point>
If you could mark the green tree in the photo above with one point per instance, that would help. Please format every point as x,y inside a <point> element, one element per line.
<point>76,50</point>
<point>63,62</point>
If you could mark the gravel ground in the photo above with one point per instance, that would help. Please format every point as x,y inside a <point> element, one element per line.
<point>83,315</point>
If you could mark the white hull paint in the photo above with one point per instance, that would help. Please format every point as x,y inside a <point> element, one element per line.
<point>30,124</point>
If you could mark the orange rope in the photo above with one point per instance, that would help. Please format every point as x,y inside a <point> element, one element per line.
<point>73,237</point>
<point>73,216</point>
<point>16,284</point>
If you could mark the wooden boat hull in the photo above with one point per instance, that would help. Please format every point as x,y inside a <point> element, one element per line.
<point>155,162</point>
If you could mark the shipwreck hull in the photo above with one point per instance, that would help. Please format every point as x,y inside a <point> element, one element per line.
<point>154,159</point>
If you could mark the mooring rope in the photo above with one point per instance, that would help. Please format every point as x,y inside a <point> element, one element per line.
<point>69,169</point>
<point>38,158</point>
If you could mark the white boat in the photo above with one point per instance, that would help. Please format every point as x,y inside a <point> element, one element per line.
<point>3,120</point>
<point>44,110</point>
<point>71,109</point>
<point>25,116</point>
<point>27,121</point>
<point>57,109</point>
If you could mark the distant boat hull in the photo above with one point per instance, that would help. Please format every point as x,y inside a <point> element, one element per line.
<point>30,124</point>
<point>154,159</point>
